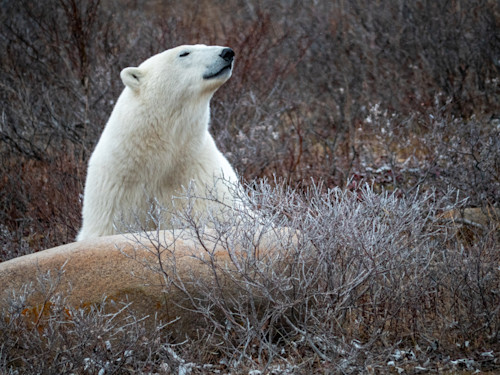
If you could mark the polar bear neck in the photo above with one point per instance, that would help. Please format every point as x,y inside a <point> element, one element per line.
<point>187,125</point>
<point>176,134</point>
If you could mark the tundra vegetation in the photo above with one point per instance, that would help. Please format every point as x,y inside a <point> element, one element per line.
<point>370,127</point>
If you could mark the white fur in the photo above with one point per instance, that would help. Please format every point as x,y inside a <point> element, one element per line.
<point>156,141</point>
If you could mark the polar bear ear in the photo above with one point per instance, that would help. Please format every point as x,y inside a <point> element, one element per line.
<point>132,77</point>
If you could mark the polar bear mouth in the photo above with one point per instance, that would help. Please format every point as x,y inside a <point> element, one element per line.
<point>219,72</point>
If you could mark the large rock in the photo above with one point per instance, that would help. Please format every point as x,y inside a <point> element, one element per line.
<point>471,221</point>
<point>156,272</point>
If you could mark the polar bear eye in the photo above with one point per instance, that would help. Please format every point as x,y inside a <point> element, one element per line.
<point>184,54</point>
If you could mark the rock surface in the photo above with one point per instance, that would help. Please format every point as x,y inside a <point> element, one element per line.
<point>122,269</point>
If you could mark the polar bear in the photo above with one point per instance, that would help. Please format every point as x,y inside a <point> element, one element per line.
<point>156,142</point>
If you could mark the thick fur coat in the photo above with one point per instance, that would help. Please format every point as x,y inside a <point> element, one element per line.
<point>156,142</point>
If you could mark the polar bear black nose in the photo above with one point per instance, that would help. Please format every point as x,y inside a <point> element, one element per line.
<point>227,54</point>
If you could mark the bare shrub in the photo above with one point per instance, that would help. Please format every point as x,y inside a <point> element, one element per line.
<point>58,48</point>
<point>399,56</point>
<point>26,188</point>
<point>438,151</point>
<point>353,278</point>
<point>469,159</point>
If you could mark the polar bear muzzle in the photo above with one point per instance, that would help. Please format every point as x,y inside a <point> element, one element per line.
<point>222,66</point>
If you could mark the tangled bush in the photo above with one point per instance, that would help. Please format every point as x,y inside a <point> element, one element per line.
<point>356,280</point>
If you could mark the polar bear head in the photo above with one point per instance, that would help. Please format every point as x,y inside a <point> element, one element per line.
<point>181,72</point>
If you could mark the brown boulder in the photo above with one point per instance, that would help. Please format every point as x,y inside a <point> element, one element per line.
<point>156,272</point>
